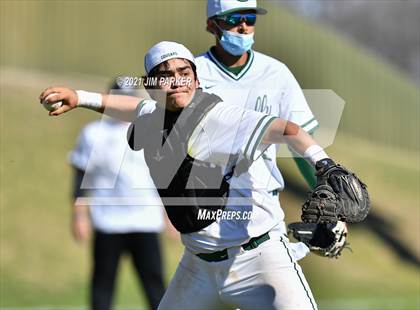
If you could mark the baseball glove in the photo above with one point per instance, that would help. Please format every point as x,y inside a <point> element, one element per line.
<point>339,195</point>
<point>327,240</point>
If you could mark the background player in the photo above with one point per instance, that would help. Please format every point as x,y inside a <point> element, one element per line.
<point>101,157</point>
<point>231,68</point>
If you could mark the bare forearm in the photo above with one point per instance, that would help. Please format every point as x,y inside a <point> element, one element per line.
<point>282,131</point>
<point>117,106</point>
<point>300,141</point>
<point>120,107</point>
<point>80,223</point>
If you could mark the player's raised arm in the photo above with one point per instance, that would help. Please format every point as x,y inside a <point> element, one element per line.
<point>118,106</point>
<point>283,131</point>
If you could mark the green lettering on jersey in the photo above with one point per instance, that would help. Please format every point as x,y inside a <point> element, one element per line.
<point>261,105</point>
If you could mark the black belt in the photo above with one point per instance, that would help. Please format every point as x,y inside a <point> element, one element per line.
<point>274,192</point>
<point>223,254</point>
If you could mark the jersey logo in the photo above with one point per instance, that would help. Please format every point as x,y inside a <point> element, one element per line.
<point>209,86</point>
<point>261,105</point>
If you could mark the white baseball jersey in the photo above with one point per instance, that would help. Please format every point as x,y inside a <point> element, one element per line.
<point>267,277</point>
<point>230,129</point>
<point>117,180</point>
<point>265,85</point>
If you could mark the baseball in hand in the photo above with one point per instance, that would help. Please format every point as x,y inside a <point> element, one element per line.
<point>51,106</point>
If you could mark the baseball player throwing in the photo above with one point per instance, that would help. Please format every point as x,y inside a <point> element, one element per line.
<point>247,261</point>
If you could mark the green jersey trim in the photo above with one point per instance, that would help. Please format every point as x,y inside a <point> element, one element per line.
<point>141,104</point>
<point>310,125</point>
<point>307,123</point>
<point>311,131</point>
<point>260,136</point>
<point>257,135</point>
<point>222,67</point>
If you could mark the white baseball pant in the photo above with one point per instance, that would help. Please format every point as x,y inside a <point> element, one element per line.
<point>267,277</point>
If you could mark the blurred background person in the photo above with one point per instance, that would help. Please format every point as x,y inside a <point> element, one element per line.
<point>121,222</point>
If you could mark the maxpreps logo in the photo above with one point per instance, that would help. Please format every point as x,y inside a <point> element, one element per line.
<point>205,214</point>
<point>168,55</point>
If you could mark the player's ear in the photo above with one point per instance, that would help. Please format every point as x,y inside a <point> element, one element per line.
<point>211,27</point>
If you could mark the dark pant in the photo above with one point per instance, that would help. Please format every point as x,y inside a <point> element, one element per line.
<point>145,252</point>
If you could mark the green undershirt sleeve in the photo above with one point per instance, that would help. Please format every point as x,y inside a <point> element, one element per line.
<point>305,168</point>
<point>307,171</point>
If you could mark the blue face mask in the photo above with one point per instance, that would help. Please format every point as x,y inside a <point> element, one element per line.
<point>235,43</point>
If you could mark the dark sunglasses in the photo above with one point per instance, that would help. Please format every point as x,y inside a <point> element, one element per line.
<point>235,19</point>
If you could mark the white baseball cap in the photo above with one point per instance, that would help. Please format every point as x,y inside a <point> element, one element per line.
<point>164,51</point>
<point>222,7</point>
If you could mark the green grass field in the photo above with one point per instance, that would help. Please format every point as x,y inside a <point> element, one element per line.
<point>45,43</point>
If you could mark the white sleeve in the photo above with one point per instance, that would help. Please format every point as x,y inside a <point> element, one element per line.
<point>294,106</point>
<point>79,157</point>
<point>229,129</point>
<point>146,106</point>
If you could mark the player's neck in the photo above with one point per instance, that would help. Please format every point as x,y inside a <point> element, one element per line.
<point>227,59</point>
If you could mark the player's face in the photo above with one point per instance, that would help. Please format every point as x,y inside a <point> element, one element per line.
<point>176,78</point>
